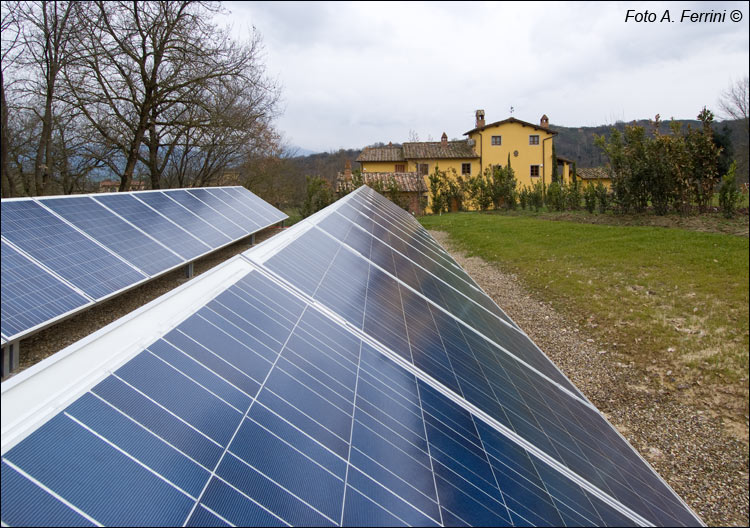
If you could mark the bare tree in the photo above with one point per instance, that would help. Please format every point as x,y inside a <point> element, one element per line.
<point>734,101</point>
<point>734,104</point>
<point>141,69</point>
<point>10,32</point>
<point>47,27</point>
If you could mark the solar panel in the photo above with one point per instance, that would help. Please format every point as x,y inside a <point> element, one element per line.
<point>64,250</point>
<point>31,296</point>
<point>104,244</point>
<point>156,225</point>
<point>233,229</point>
<point>115,233</point>
<point>210,197</point>
<point>265,397</point>
<point>185,218</point>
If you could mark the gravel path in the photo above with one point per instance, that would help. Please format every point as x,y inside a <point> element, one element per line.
<point>686,445</point>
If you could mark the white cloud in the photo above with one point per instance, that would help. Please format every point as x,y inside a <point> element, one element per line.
<point>357,73</point>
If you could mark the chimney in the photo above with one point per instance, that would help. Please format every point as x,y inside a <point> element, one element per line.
<point>544,123</point>
<point>444,140</point>
<point>480,118</point>
<point>348,171</point>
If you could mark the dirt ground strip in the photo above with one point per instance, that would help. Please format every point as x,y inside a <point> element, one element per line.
<point>685,442</point>
<point>59,336</point>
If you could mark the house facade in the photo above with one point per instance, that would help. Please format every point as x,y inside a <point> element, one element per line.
<point>527,145</point>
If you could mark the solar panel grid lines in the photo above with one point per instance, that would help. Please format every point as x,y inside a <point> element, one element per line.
<point>208,213</point>
<point>35,294</point>
<point>74,255</point>
<point>125,235</point>
<point>180,241</point>
<point>471,294</point>
<point>210,197</point>
<point>127,240</point>
<point>437,385</point>
<point>161,202</point>
<point>559,380</point>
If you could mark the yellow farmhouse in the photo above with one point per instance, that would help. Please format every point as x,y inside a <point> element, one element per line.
<point>528,145</point>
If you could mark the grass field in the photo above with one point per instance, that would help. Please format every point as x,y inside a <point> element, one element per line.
<point>673,297</point>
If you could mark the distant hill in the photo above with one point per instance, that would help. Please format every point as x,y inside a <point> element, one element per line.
<point>576,143</point>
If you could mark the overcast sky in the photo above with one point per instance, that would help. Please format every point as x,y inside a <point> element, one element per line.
<point>356,73</point>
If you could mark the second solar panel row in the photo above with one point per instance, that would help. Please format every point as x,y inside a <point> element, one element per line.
<point>98,245</point>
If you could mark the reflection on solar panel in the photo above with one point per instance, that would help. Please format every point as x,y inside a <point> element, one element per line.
<point>75,250</point>
<point>312,382</point>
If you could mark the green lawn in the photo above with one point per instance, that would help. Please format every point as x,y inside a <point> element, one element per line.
<point>674,296</point>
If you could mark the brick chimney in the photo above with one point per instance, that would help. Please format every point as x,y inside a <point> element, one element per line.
<point>480,118</point>
<point>348,171</point>
<point>444,140</point>
<point>544,122</point>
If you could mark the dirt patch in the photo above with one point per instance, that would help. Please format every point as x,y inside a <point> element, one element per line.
<point>702,456</point>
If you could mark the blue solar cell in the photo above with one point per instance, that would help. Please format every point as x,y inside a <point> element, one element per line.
<point>272,214</point>
<point>156,225</point>
<point>185,218</point>
<point>30,295</point>
<point>219,219</point>
<point>23,500</point>
<point>64,250</point>
<point>235,215</point>
<point>67,469</point>
<point>113,232</point>
<point>241,205</point>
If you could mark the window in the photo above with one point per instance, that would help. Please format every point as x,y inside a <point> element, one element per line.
<point>534,140</point>
<point>534,172</point>
<point>400,168</point>
<point>422,169</point>
<point>497,140</point>
<point>466,168</point>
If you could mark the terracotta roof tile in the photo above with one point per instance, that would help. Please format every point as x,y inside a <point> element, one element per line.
<point>436,150</point>
<point>593,173</point>
<point>389,153</point>
<point>406,181</point>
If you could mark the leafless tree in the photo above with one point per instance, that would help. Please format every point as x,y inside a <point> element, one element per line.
<point>144,67</point>
<point>734,104</point>
<point>734,101</point>
<point>46,30</point>
<point>10,34</point>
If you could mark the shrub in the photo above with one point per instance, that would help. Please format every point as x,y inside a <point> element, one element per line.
<point>729,195</point>
<point>523,197</point>
<point>602,196</point>
<point>573,196</point>
<point>555,196</point>
<point>589,197</point>
<point>318,196</point>
<point>536,196</point>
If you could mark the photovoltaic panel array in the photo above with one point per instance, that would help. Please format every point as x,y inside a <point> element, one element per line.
<point>69,252</point>
<point>327,388</point>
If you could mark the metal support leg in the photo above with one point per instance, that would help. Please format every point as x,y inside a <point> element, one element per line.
<point>11,356</point>
<point>252,239</point>
<point>283,223</point>
<point>189,271</point>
